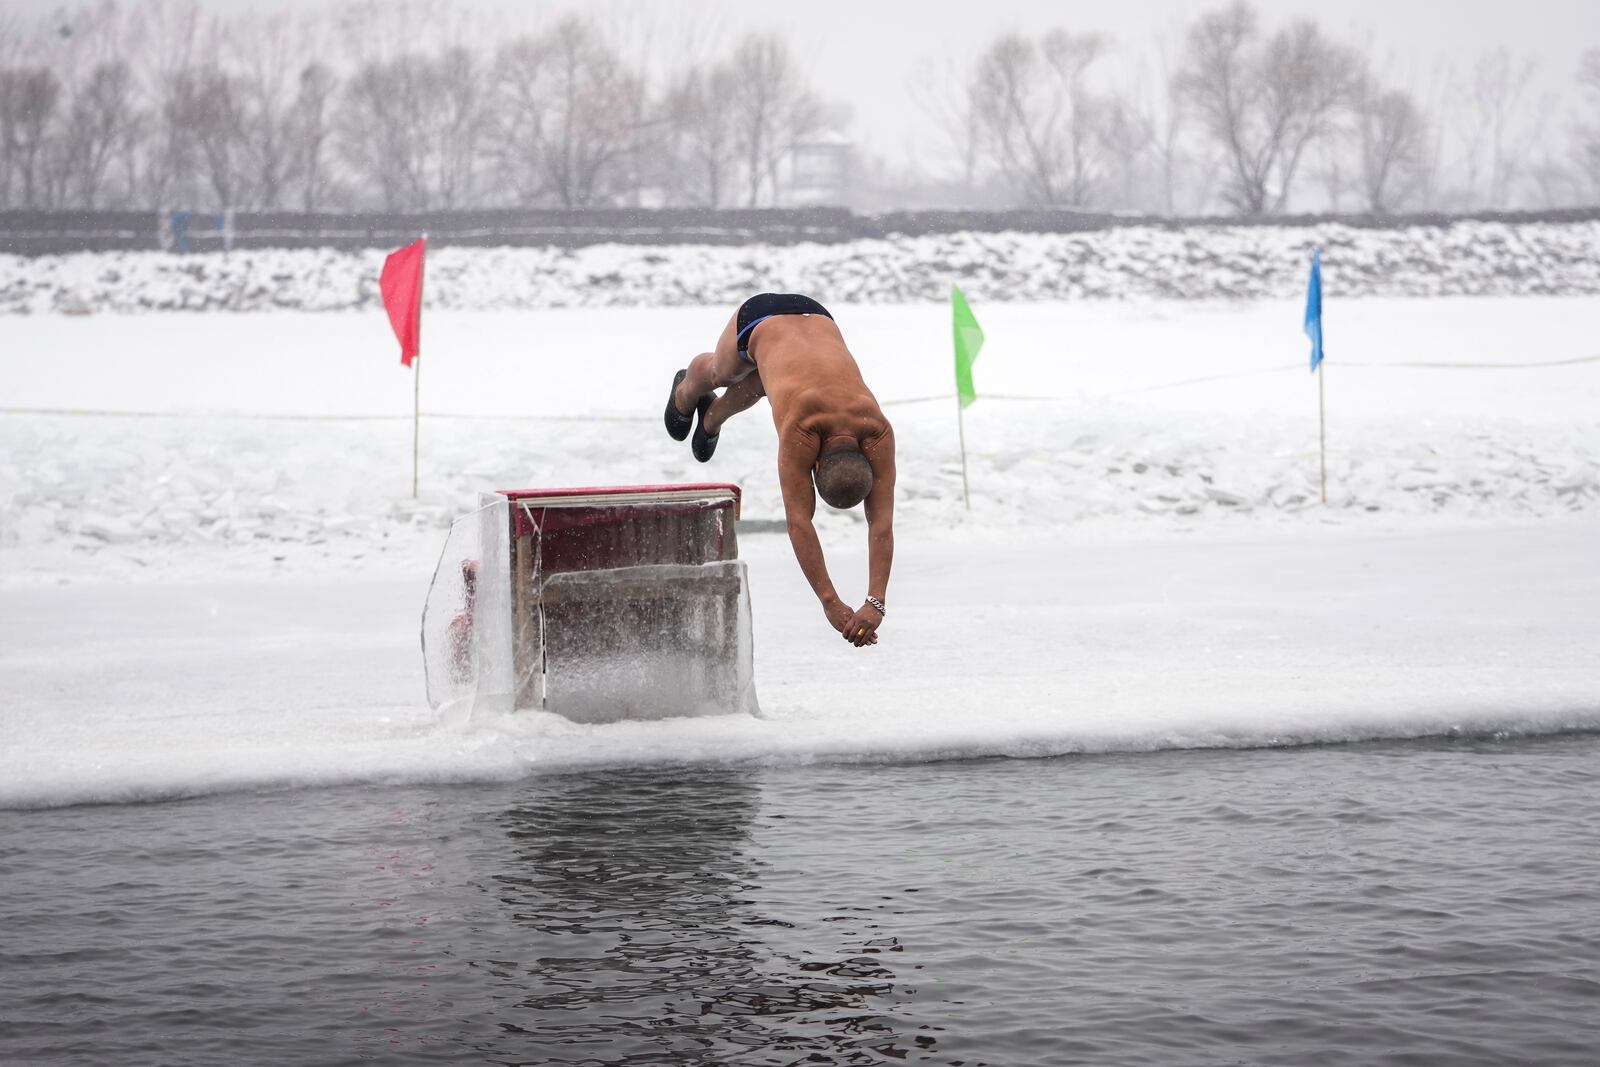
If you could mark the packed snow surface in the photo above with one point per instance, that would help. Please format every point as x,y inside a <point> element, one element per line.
<point>1135,262</point>
<point>288,435</point>
<point>1021,646</point>
<point>211,565</point>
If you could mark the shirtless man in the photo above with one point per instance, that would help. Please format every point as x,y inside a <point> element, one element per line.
<point>831,432</point>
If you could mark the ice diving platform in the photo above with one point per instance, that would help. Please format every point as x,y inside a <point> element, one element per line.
<point>597,604</point>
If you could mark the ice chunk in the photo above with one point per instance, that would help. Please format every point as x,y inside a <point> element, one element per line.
<point>648,642</point>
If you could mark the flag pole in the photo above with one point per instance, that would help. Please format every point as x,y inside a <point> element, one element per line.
<point>416,423</point>
<point>1313,330</point>
<point>1322,436</point>
<point>961,435</point>
<point>968,338</point>
<point>416,379</point>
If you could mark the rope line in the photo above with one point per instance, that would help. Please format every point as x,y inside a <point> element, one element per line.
<point>1256,371</point>
<point>898,402</point>
<point>1480,366</point>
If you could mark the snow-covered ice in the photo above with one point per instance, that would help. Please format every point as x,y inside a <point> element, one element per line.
<point>1025,645</point>
<point>214,583</point>
<point>1087,412</point>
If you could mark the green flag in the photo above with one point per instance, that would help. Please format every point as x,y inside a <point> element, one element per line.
<point>969,339</point>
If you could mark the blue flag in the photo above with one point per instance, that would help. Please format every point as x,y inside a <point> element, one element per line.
<point>1314,308</point>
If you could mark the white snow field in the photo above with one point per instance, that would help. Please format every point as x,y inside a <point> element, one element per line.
<point>211,567</point>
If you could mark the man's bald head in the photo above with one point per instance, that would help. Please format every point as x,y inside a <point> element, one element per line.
<point>844,476</point>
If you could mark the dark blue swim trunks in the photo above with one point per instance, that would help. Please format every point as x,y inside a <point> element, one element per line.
<point>764,306</point>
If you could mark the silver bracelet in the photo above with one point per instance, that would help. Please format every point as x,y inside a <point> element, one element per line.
<point>875,602</point>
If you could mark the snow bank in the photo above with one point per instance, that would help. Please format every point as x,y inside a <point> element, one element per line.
<point>1469,258</point>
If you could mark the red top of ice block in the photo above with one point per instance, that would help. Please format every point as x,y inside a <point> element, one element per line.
<point>580,495</point>
<point>626,525</point>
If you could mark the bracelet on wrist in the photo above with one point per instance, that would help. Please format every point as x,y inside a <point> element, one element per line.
<point>875,602</point>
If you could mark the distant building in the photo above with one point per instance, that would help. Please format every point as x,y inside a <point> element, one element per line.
<point>822,171</point>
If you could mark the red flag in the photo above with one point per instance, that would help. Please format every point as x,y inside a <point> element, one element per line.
<point>401,285</point>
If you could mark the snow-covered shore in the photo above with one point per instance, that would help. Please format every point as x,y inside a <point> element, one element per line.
<point>1018,645</point>
<point>211,565</point>
<point>1136,262</point>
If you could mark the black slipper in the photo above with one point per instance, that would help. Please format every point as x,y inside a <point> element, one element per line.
<point>678,423</point>
<point>704,444</point>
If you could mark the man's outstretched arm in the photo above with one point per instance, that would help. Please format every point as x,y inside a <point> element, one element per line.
<point>800,507</point>
<point>862,627</point>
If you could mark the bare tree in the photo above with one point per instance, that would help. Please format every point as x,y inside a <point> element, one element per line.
<point>100,120</point>
<point>408,129</point>
<point>1498,129</point>
<point>1265,101</point>
<point>521,115</point>
<point>208,107</point>
<point>29,98</point>
<point>265,88</point>
<point>1069,57</point>
<point>568,114</point>
<point>83,48</point>
<point>11,45</point>
<point>170,33</point>
<point>702,134</point>
<point>1040,120</point>
<point>1552,183</point>
<point>1129,135</point>
<point>10,107</point>
<point>311,132</point>
<point>458,86</point>
<point>639,36</point>
<point>169,156</point>
<point>940,90</point>
<point>776,110</point>
<point>1587,133</point>
<point>1169,132</point>
<point>408,126</point>
<point>768,71</point>
<point>1329,167</point>
<point>384,114</point>
<point>1392,136</point>
<point>680,150</point>
<point>125,42</point>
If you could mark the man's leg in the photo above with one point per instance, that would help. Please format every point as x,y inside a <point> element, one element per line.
<point>736,398</point>
<point>713,370</point>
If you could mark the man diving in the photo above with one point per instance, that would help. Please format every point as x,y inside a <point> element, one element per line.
<point>833,439</point>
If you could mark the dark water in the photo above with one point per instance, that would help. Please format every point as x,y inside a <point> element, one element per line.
<point>1428,903</point>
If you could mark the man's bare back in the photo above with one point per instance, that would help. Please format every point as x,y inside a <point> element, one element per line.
<point>833,437</point>
<point>813,382</point>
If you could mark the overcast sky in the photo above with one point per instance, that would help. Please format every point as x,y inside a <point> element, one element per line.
<point>879,56</point>
<point>873,51</point>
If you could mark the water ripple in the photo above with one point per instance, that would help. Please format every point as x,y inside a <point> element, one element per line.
<point>1429,902</point>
